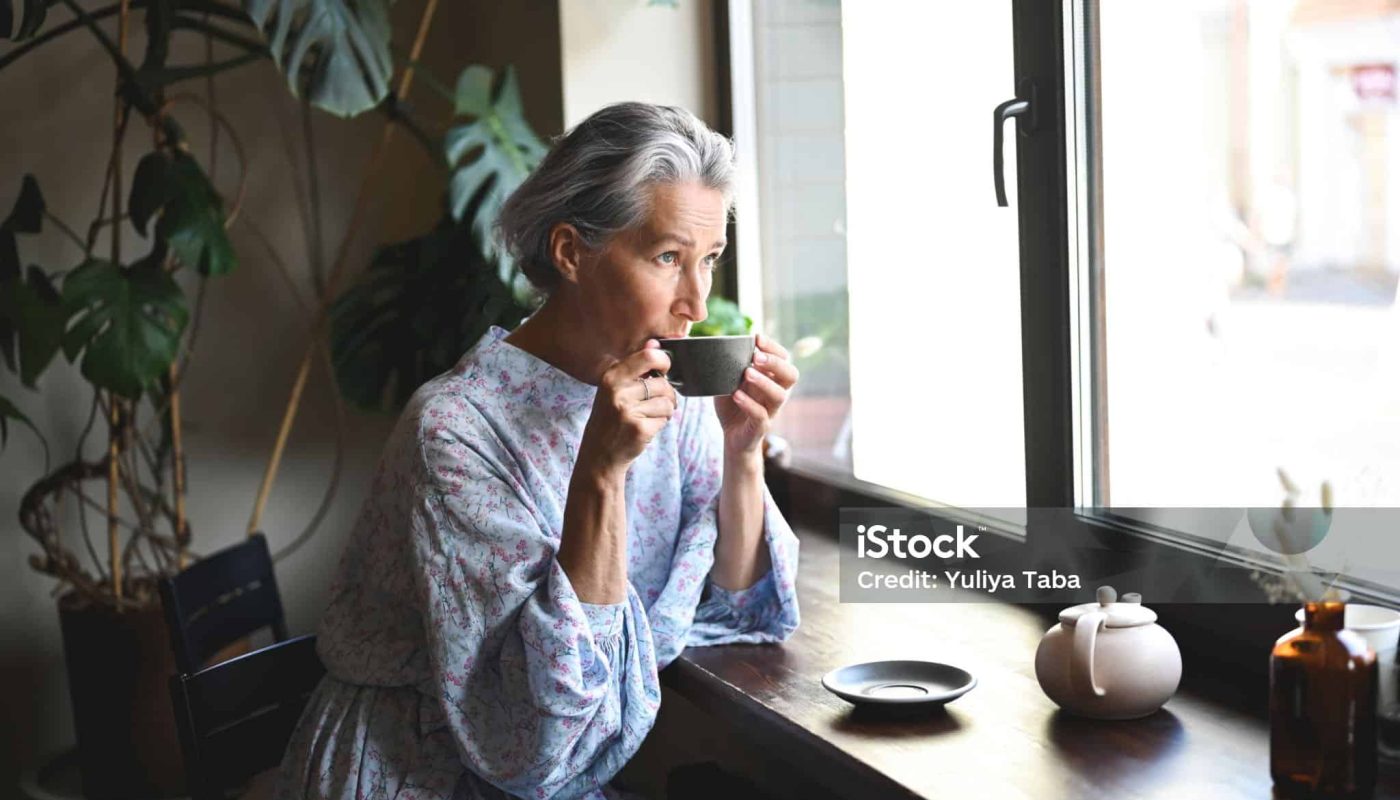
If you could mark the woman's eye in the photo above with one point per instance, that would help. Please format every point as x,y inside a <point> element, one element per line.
<point>668,258</point>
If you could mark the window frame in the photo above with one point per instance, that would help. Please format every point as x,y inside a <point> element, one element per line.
<point>1062,331</point>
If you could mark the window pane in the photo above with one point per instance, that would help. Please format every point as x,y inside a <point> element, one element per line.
<point>801,185</point>
<point>1251,248</point>
<point>883,247</point>
<point>935,277</point>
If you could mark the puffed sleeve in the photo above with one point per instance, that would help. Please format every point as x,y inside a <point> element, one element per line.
<point>766,611</point>
<point>546,696</point>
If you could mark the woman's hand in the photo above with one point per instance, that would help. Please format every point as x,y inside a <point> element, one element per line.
<point>747,415</point>
<point>633,403</point>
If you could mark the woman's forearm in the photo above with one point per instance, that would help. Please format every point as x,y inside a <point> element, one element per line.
<point>741,555</point>
<point>593,545</point>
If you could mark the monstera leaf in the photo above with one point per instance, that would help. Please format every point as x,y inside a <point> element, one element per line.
<point>32,314</point>
<point>191,213</point>
<point>31,16</point>
<point>128,325</point>
<point>337,50</point>
<point>8,412</point>
<point>491,155</point>
<point>420,305</point>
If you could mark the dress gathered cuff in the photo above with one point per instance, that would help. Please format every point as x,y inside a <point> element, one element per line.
<point>742,602</point>
<point>605,620</point>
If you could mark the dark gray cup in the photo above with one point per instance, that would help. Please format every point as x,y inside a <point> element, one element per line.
<point>704,366</point>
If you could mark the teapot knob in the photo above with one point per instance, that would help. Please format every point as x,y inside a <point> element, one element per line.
<point>1106,595</point>
<point>1132,597</point>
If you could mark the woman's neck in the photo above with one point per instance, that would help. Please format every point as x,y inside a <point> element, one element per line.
<point>557,335</point>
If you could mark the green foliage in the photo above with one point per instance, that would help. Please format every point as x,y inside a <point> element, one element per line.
<point>420,306</point>
<point>8,412</point>
<point>128,326</point>
<point>31,17</point>
<point>32,314</point>
<point>491,155</point>
<point>337,51</point>
<point>191,222</point>
<point>36,313</point>
<point>722,318</point>
<point>424,302</point>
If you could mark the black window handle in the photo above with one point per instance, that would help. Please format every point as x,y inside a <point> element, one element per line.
<point>1024,111</point>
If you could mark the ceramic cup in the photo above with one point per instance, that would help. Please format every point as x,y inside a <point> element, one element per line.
<point>704,366</point>
<point>1380,627</point>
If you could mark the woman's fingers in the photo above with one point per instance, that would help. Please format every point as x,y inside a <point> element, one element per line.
<point>767,344</point>
<point>773,362</point>
<point>657,408</point>
<point>629,369</point>
<point>655,396</point>
<point>763,389</point>
<point>753,408</point>
<point>781,370</point>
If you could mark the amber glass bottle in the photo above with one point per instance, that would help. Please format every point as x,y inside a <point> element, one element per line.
<point>1322,708</point>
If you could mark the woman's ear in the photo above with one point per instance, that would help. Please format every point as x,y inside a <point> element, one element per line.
<point>567,249</point>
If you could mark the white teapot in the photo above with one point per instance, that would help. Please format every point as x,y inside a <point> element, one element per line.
<point>1108,659</point>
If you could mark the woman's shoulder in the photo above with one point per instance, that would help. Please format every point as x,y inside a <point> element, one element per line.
<point>456,404</point>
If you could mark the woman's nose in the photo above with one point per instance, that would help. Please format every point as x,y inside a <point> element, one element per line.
<point>690,299</point>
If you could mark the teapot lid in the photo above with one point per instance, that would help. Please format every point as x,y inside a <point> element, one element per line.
<point>1125,613</point>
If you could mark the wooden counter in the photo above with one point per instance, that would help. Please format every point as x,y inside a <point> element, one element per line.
<point>1004,739</point>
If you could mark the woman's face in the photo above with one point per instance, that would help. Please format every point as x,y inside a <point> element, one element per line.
<point>651,282</point>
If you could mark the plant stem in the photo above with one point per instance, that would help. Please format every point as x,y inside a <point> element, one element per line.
<point>177,468</point>
<point>213,31</point>
<point>317,239</point>
<point>57,31</point>
<point>126,73</point>
<point>115,416</point>
<point>337,267</point>
<point>87,537</point>
<point>67,231</point>
<point>102,198</point>
<point>169,75</point>
<point>114,563</point>
<point>432,81</point>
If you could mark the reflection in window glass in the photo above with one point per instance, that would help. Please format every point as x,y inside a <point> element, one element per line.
<point>802,194</point>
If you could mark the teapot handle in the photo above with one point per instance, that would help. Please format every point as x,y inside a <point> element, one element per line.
<point>1081,662</point>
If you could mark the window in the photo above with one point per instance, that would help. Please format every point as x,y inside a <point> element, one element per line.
<point>1195,284</point>
<point>1250,251</point>
<point>878,267</point>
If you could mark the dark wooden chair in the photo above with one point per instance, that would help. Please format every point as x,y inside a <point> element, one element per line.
<point>221,599</point>
<point>236,717</point>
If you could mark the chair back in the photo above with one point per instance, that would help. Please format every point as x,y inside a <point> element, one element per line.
<point>220,599</point>
<point>236,717</point>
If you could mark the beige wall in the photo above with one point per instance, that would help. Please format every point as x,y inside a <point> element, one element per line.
<point>250,339</point>
<point>615,50</point>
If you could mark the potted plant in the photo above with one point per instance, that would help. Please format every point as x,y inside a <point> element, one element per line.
<point>127,324</point>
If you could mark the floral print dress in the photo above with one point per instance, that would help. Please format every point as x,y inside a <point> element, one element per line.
<point>460,662</point>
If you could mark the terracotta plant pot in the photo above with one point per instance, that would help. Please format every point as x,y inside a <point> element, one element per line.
<point>119,666</point>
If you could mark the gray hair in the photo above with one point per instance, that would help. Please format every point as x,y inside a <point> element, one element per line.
<point>598,177</point>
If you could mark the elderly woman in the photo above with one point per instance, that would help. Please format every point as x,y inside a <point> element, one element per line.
<point>550,524</point>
